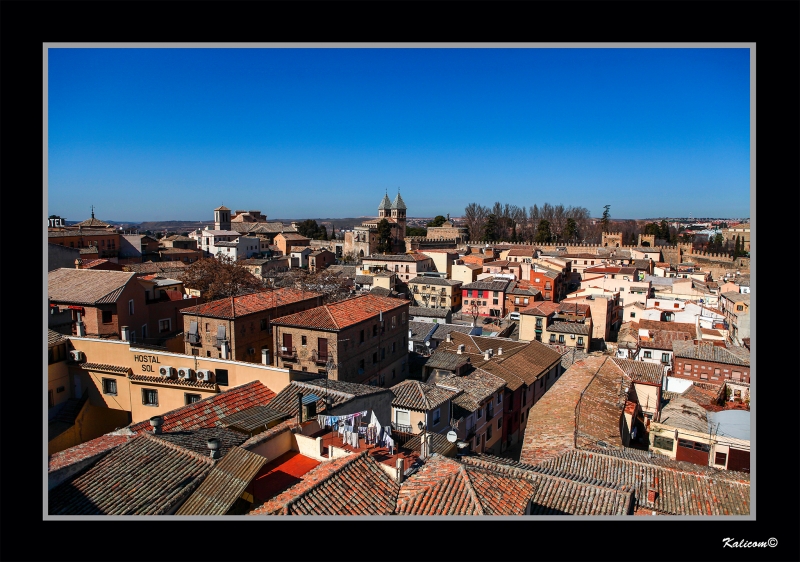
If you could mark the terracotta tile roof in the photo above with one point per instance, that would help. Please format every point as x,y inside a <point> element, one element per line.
<point>712,353</point>
<point>682,488</point>
<point>210,411</point>
<point>146,476</point>
<point>86,286</point>
<point>78,453</point>
<point>446,360</point>
<point>664,339</point>
<point>478,386</point>
<point>152,379</point>
<point>419,396</point>
<point>476,486</point>
<point>656,325</point>
<point>340,315</point>
<point>197,439</point>
<point>428,312</point>
<point>641,371</point>
<point>490,284</point>
<point>569,328</point>
<point>583,406</point>
<point>103,367</point>
<point>545,308</point>
<point>574,308</point>
<point>529,252</point>
<point>253,418</point>
<point>351,485</point>
<point>54,338</point>
<point>252,303</point>
<point>224,484</point>
<point>154,267</point>
<point>560,493</point>
<point>433,281</point>
<point>522,288</point>
<point>520,363</point>
<point>340,392</point>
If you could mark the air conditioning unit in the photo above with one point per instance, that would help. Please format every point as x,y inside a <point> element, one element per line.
<point>167,372</point>
<point>76,355</point>
<point>572,336</point>
<point>185,373</point>
<point>205,375</point>
<point>283,349</point>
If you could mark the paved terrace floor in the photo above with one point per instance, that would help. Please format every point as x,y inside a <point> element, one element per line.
<point>281,474</point>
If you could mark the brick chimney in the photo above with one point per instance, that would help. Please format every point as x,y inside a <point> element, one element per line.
<point>652,494</point>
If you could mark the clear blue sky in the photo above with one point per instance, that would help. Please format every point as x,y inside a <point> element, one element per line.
<point>161,134</point>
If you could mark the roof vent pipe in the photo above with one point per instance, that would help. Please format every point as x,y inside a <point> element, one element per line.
<point>213,447</point>
<point>448,338</point>
<point>157,422</point>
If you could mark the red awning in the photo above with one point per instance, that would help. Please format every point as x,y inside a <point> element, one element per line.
<point>73,307</point>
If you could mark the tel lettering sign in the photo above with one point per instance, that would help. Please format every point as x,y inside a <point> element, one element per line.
<point>55,222</point>
<point>147,362</point>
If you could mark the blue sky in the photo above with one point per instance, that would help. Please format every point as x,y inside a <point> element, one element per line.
<point>169,134</point>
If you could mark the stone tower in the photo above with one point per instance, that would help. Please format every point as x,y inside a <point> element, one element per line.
<point>385,207</point>
<point>399,214</point>
<point>612,239</point>
<point>649,238</point>
<point>222,218</point>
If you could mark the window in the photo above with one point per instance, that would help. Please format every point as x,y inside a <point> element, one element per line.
<point>488,432</point>
<point>480,413</point>
<point>361,337</point>
<point>500,398</point>
<point>552,338</point>
<point>633,315</point>
<point>561,338</point>
<point>716,372</point>
<point>208,353</point>
<point>374,357</point>
<point>663,443</point>
<point>494,301</point>
<point>394,322</point>
<point>374,330</point>
<point>437,417</point>
<point>402,417</point>
<point>687,367</point>
<point>393,346</point>
<point>525,300</point>
<point>110,387</point>
<point>541,383</point>
<point>392,373</point>
<point>106,317</point>
<point>737,375</point>
<point>658,303</point>
<point>206,326</point>
<point>721,458</point>
<point>192,398</point>
<point>500,423</point>
<point>647,355</point>
<point>580,341</point>
<point>739,307</point>
<point>516,300</point>
<point>676,305</point>
<point>704,376</point>
<point>149,397</point>
<point>494,293</point>
<point>130,307</point>
<point>665,357</point>
<point>403,318</point>
<point>263,324</point>
<point>164,325</point>
<point>303,340</point>
<point>222,377</point>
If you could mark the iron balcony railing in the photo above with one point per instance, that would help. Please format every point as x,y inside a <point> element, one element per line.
<point>402,428</point>
<point>287,353</point>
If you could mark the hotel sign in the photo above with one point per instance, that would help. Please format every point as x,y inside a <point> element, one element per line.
<point>55,222</point>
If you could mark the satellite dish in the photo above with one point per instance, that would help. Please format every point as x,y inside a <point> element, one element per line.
<point>428,343</point>
<point>451,436</point>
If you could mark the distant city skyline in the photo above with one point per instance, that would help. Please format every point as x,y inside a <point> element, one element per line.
<point>170,134</point>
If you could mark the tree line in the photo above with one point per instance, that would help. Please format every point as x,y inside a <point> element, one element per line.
<point>505,222</point>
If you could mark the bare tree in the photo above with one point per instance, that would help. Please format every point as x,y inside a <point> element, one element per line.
<point>559,221</point>
<point>474,217</point>
<point>533,222</point>
<point>220,277</point>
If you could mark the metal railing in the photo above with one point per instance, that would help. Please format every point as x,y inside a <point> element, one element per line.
<point>319,358</point>
<point>402,428</point>
<point>288,353</point>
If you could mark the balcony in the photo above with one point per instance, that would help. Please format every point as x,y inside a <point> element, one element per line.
<point>319,358</point>
<point>287,353</point>
<point>193,339</point>
<point>401,428</point>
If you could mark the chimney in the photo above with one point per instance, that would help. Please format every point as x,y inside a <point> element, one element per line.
<point>126,334</point>
<point>265,356</point>
<point>224,349</point>
<point>487,354</point>
<point>213,447</point>
<point>398,466</point>
<point>652,494</point>
<point>81,327</point>
<point>157,422</point>
<point>299,407</point>
<point>78,263</point>
<point>448,338</point>
<point>460,349</point>
<point>499,351</point>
